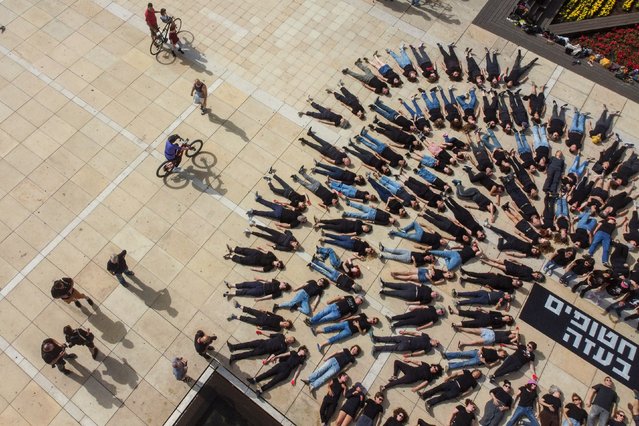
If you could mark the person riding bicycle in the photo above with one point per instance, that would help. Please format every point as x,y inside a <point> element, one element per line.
<point>173,151</point>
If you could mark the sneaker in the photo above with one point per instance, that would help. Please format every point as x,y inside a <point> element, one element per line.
<point>275,307</point>
<point>231,317</point>
<point>454,293</point>
<point>77,304</point>
<point>173,53</point>
<point>247,231</point>
<point>381,247</point>
<point>237,304</point>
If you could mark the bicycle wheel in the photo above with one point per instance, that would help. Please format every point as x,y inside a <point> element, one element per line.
<point>165,169</point>
<point>178,24</point>
<point>195,148</point>
<point>156,45</point>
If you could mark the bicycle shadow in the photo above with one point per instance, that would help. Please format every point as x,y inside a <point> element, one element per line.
<point>200,175</point>
<point>191,56</point>
<point>427,10</point>
<point>228,125</point>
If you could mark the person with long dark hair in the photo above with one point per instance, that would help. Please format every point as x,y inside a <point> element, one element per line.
<point>288,362</point>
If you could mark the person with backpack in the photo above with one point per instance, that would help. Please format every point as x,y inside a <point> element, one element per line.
<point>80,336</point>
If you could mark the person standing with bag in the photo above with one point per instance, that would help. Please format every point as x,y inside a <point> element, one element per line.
<point>64,289</point>
<point>54,354</point>
<point>82,337</point>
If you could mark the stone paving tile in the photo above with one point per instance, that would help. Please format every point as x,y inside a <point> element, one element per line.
<point>58,153</point>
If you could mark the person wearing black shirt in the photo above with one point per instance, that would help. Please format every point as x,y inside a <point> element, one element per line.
<point>404,62</point>
<point>372,409</point>
<point>296,200</point>
<point>369,159</point>
<point>328,151</point>
<point>410,342</point>
<point>202,343</point>
<point>338,174</point>
<point>82,337</point>
<point>349,100</point>
<point>514,78</point>
<point>420,371</point>
<point>602,400</point>
<point>325,115</point>
<point>414,294</point>
<point>493,281</point>
<point>496,407</point>
<point>455,385</point>
<point>352,325</point>
<point>505,121</point>
<point>331,366</point>
<point>420,234</point>
<point>284,241</point>
<point>64,289</point>
<point>275,344</point>
<point>419,316</point>
<point>54,354</point>
<point>262,260</point>
<point>557,122</point>
<point>426,275</point>
<point>602,236</point>
<point>288,362</point>
<point>482,318</point>
<point>451,62</point>
<point>524,354</point>
<point>625,172</point>
<point>343,226</point>
<point>355,244</point>
<point>263,320</point>
<point>603,126</point>
<point>519,113</point>
<point>550,414</point>
<point>562,258</point>
<point>399,418</point>
<point>336,389</point>
<point>329,198</point>
<point>463,415</point>
<point>117,266</point>
<point>484,356</point>
<point>429,70</point>
<point>368,79</point>
<point>391,115</point>
<point>489,337</point>
<point>554,172</point>
<point>579,268</point>
<point>335,309</point>
<point>285,217</point>
<point>490,108</point>
<point>515,269</point>
<point>619,419</point>
<point>380,148</point>
<point>353,401</point>
<point>523,247</point>
<point>303,296</point>
<point>527,396</point>
<point>261,289</point>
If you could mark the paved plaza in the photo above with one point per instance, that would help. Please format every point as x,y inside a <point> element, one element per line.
<point>84,113</point>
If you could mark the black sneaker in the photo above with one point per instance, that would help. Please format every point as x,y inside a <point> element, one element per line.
<point>90,302</point>
<point>77,304</point>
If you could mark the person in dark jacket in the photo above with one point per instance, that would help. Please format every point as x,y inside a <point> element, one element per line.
<point>64,289</point>
<point>54,354</point>
<point>275,344</point>
<point>262,260</point>
<point>288,362</point>
<point>202,343</point>
<point>117,266</point>
<point>82,337</point>
<point>263,320</point>
<point>283,241</point>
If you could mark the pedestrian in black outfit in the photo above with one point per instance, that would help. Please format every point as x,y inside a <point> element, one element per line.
<point>603,126</point>
<point>54,354</point>
<point>262,260</point>
<point>325,115</point>
<point>296,202</point>
<point>557,122</point>
<point>338,174</point>
<point>288,362</point>
<point>519,113</point>
<point>514,78</point>
<point>371,160</point>
<point>336,389</point>
<point>64,289</point>
<point>263,320</point>
<point>482,319</point>
<point>82,337</point>
<point>475,74</point>
<point>117,266</point>
<point>609,158</point>
<point>490,108</point>
<point>496,407</point>
<point>372,409</point>
<point>420,371</point>
<point>202,343</point>
<point>349,100</point>
<point>420,317</point>
<point>353,401</point>
<point>493,70</point>
<point>285,217</point>
<point>409,342</point>
<point>283,241</point>
<point>343,226</point>
<point>455,385</point>
<point>329,152</point>
<point>536,103</point>
<point>505,120</point>
<point>261,289</point>
<point>524,354</point>
<point>625,172</point>
<point>368,79</point>
<point>451,62</point>
<point>275,344</point>
<point>523,247</point>
<point>429,70</point>
<point>492,280</point>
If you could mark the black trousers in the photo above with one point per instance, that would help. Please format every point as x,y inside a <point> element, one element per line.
<point>411,374</point>
<point>257,347</point>
<point>258,318</point>
<point>510,365</point>
<point>446,391</point>
<point>328,407</point>
<point>279,373</point>
<point>398,344</point>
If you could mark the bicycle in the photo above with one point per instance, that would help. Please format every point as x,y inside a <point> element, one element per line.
<point>162,36</point>
<point>193,148</point>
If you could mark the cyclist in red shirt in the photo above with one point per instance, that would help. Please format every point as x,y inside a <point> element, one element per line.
<point>151,20</point>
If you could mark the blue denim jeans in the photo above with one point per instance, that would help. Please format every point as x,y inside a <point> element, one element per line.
<point>586,222</point>
<point>347,190</point>
<point>490,140</point>
<point>561,207</point>
<point>405,232</point>
<point>602,239</point>
<point>522,143</point>
<point>471,359</point>
<point>398,254</point>
<point>431,103</point>
<point>323,373</point>
<point>384,194</point>
<point>342,329</point>
<point>526,412</point>
<point>578,123</point>
<point>414,112</point>
<point>389,183</point>
<point>327,252</point>
<point>375,144</point>
<point>301,300</point>
<point>367,213</point>
<point>540,136</point>
<point>452,258</point>
<point>426,175</point>
<point>402,59</point>
<point>578,167</point>
<point>479,297</point>
<point>472,102</point>
<point>384,110</point>
<point>325,270</point>
<point>329,313</point>
<point>343,241</point>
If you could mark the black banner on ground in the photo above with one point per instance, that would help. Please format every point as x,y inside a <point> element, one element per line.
<point>593,341</point>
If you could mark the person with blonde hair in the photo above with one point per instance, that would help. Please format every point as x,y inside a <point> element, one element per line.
<point>117,266</point>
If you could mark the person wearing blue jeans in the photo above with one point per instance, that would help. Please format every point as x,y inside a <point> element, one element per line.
<point>356,324</point>
<point>490,140</point>
<point>404,232</point>
<point>431,102</point>
<point>527,398</point>
<point>336,309</point>
<point>476,357</point>
<point>333,365</point>
<point>347,190</point>
<point>329,272</point>
<point>367,213</point>
<point>576,132</point>
<point>522,144</point>
<point>415,111</point>
<point>451,257</point>
<point>384,110</point>
<point>403,60</point>
<point>375,144</point>
<point>303,296</point>
<point>603,237</point>
<point>472,101</point>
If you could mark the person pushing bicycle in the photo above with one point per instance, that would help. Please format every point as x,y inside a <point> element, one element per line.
<point>152,21</point>
<point>173,151</point>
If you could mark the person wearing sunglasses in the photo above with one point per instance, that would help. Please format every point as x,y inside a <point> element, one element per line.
<point>602,400</point>
<point>527,396</point>
<point>619,419</point>
<point>525,354</point>
<point>496,407</point>
<point>574,414</point>
<point>464,415</point>
<point>372,409</point>
<point>399,418</point>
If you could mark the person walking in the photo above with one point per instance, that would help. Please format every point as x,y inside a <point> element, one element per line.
<point>54,354</point>
<point>64,289</point>
<point>200,94</point>
<point>202,343</point>
<point>180,368</point>
<point>82,337</point>
<point>117,267</point>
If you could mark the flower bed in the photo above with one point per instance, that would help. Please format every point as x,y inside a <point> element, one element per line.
<point>620,45</point>
<point>578,10</point>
